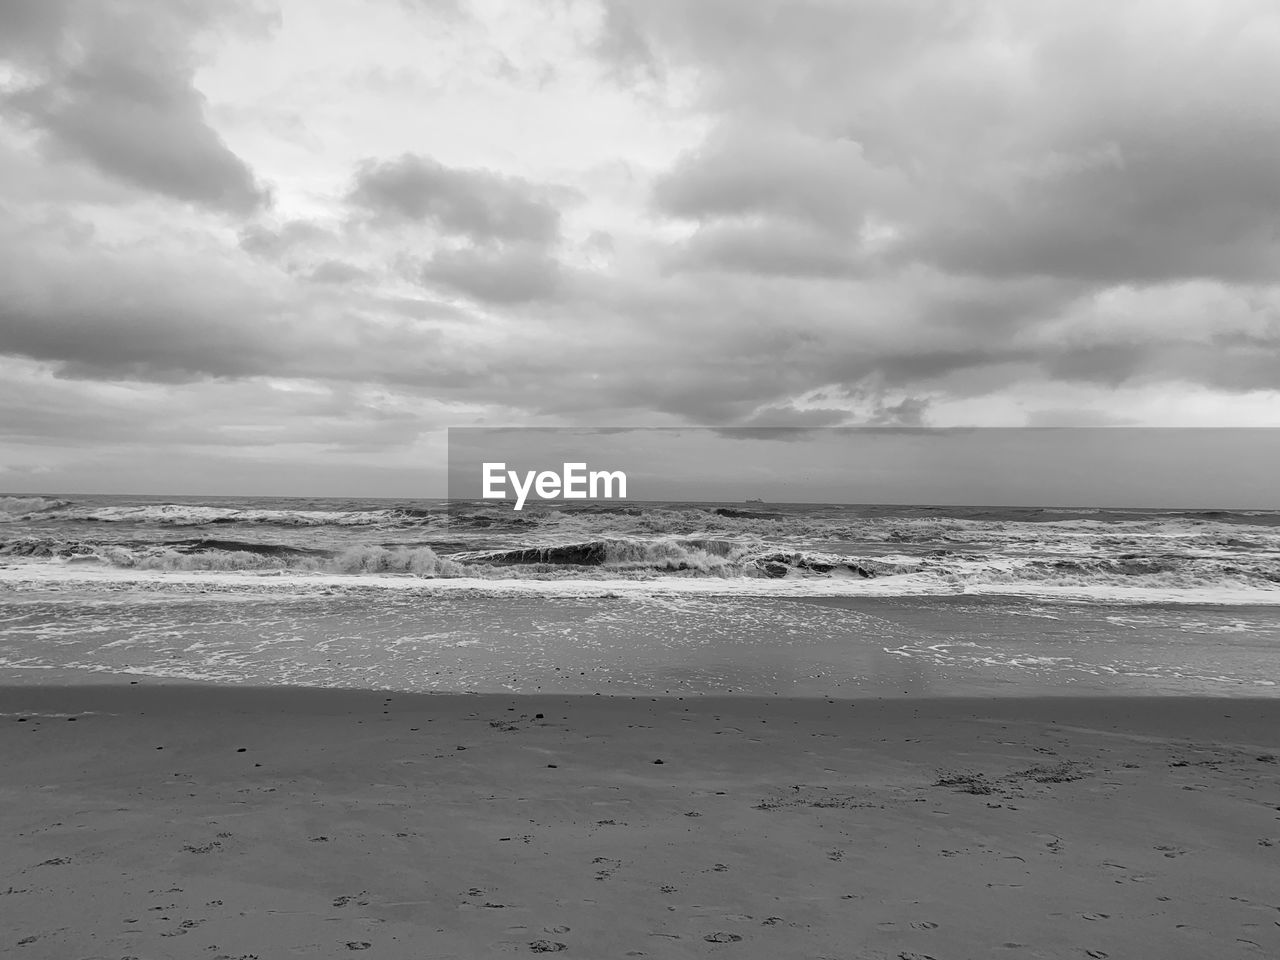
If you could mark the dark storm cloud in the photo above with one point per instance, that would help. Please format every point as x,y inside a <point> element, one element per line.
<point>976,176</point>
<point>337,272</point>
<point>791,417</point>
<point>245,334</point>
<point>878,208</point>
<point>906,413</point>
<point>505,276</point>
<point>478,204</point>
<point>718,348</point>
<point>772,202</point>
<point>974,131</point>
<point>112,86</point>
<point>1197,199</point>
<point>1229,369</point>
<point>768,248</point>
<point>745,171</point>
<point>28,30</point>
<point>161,340</point>
<point>101,313</point>
<point>144,127</point>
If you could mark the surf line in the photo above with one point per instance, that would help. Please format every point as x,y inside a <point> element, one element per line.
<point>573,482</point>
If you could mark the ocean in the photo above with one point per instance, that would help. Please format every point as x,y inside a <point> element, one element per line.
<point>639,598</point>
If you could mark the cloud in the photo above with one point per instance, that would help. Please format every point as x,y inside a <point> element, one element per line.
<point>113,87</point>
<point>775,202</point>
<point>634,212</point>
<point>764,247</point>
<point>743,170</point>
<point>337,272</point>
<point>786,417</point>
<point>505,276</point>
<point>146,128</point>
<point>971,135</point>
<point>444,9</point>
<point>478,204</point>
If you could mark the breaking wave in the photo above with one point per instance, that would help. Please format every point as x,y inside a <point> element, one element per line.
<point>898,549</point>
<point>194,515</point>
<point>217,555</point>
<point>650,558</point>
<point>12,508</point>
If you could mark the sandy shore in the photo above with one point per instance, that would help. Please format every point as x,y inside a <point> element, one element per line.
<point>185,821</point>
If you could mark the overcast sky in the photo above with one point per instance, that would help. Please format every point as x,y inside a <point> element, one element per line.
<point>1205,468</point>
<point>278,247</point>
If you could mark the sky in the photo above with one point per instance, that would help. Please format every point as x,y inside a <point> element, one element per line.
<point>261,247</point>
<point>1151,467</point>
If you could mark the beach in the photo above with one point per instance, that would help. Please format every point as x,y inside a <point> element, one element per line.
<point>249,729</point>
<point>622,479</point>
<point>150,819</point>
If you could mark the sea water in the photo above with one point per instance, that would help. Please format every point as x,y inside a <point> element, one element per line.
<point>640,598</point>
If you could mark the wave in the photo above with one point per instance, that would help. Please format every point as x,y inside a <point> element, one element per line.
<point>421,561</point>
<point>193,515</point>
<point>927,551</point>
<point>702,555</point>
<point>745,514</point>
<point>486,526</point>
<point>729,558</point>
<point>748,558</point>
<point>232,555</point>
<point>724,557</point>
<point>12,508</point>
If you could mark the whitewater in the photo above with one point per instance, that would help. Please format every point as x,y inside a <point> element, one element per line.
<point>723,549</point>
<point>639,598</point>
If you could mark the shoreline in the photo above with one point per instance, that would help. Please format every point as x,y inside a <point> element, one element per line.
<point>279,821</point>
<point>179,693</point>
<point>47,575</point>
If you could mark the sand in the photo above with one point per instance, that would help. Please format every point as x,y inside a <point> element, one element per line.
<point>193,821</point>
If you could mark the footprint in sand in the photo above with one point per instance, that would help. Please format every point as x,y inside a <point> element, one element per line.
<point>557,929</point>
<point>722,938</point>
<point>924,925</point>
<point>547,946</point>
<point>604,873</point>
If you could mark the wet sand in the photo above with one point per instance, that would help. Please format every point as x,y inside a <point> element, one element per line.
<point>156,820</point>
